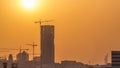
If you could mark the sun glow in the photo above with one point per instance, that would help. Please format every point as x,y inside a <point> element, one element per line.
<point>29,4</point>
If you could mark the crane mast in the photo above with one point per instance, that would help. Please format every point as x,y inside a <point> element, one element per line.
<point>33,45</point>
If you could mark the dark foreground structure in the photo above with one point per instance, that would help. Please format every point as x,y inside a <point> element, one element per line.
<point>115,59</point>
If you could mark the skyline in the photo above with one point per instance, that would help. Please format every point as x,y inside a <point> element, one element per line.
<point>83,29</point>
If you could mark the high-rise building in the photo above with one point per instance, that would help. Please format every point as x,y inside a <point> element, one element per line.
<point>115,59</point>
<point>47,44</point>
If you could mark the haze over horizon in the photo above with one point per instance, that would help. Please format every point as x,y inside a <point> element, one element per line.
<point>85,30</point>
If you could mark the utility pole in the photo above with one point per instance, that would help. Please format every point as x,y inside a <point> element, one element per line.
<point>40,22</point>
<point>33,45</point>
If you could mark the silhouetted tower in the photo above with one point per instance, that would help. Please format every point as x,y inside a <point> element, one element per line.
<point>47,44</point>
<point>10,61</point>
<point>10,58</point>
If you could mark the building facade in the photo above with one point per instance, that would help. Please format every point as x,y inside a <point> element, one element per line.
<point>47,44</point>
<point>115,59</point>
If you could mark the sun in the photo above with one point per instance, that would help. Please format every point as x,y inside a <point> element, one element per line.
<point>29,4</point>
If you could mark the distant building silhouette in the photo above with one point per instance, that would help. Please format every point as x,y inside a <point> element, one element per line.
<point>10,61</point>
<point>23,60</point>
<point>10,58</point>
<point>115,59</point>
<point>22,57</point>
<point>72,64</point>
<point>37,58</point>
<point>47,56</point>
<point>47,44</point>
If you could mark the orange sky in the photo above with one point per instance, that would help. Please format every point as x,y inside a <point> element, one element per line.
<point>85,30</point>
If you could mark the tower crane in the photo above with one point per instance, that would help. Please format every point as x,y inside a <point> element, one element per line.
<point>14,49</point>
<point>33,45</point>
<point>40,21</point>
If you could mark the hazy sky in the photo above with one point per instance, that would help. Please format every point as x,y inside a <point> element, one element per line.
<point>85,30</point>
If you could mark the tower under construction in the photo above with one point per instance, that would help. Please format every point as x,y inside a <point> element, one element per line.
<point>47,44</point>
